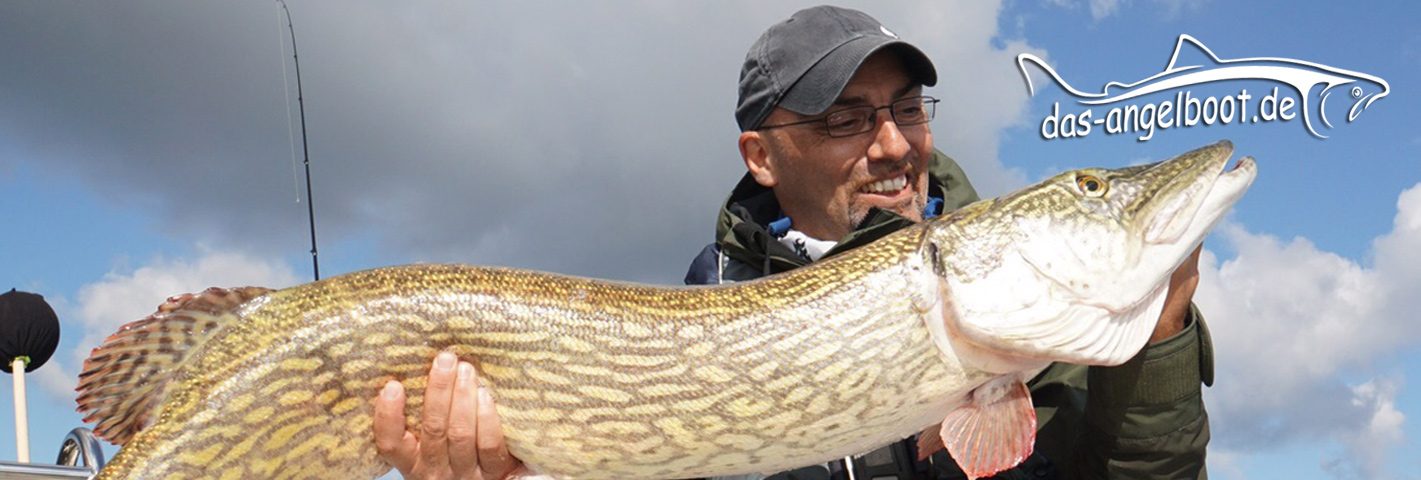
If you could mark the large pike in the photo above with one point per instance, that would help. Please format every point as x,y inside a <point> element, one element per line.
<point>940,322</point>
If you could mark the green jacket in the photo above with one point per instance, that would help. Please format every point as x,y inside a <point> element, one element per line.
<point>1144,419</point>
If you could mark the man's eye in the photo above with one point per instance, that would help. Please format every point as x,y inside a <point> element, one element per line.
<point>842,123</point>
<point>911,111</point>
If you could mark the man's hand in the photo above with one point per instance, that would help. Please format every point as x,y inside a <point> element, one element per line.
<point>459,436</point>
<point>1176,303</point>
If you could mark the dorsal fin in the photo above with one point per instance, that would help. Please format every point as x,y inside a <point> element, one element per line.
<point>1190,52</point>
<point>126,378</point>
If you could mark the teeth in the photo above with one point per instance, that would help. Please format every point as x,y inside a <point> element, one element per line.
<point>884,186</point>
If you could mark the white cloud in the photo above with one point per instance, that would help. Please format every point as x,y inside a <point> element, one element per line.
<point>1104,8</point>
<point>1289,320</point>
<point>1174,8</point>
<point>1382,429</point>
<point>119,298</point>
<point>1099,9</point>
<point>1225,464</point>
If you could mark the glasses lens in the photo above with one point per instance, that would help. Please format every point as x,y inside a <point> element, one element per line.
<point>912,111</point>
<point>853,121</point>
<point>850,121</point>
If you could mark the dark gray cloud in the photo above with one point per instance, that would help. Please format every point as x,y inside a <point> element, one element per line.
<point>587,138</point>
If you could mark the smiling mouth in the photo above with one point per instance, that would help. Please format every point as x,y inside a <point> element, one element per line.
<point>886,187</point>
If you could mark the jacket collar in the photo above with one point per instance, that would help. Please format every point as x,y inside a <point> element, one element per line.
<point>742,233</point>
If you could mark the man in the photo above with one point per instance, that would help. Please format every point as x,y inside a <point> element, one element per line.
<point>835,139</point>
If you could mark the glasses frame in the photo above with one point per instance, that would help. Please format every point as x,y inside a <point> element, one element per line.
<point>928,102</point>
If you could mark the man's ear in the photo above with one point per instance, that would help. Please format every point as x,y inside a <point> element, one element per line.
<point>758,158</point>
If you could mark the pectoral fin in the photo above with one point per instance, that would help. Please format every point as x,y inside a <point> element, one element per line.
<point>995,430</point>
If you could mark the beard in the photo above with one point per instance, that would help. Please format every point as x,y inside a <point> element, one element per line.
<point>912,210</point>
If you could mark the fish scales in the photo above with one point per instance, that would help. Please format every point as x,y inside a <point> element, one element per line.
<point>607,380</point>
<point>517,323</point>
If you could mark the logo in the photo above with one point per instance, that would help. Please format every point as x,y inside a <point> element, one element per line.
<point>1305,88</point>
<point>886,31</point>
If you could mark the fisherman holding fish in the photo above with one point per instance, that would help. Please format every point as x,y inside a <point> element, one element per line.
<point>835,138</point>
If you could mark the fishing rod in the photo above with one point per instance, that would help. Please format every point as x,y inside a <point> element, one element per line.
<point>305,151</point>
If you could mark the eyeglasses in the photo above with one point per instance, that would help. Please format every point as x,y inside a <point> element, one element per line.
<point>856,120</point>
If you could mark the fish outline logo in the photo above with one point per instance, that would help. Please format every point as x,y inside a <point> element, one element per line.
<point>1303,76</point>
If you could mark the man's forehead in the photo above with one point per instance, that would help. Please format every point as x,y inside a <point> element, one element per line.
<point>860,96</point>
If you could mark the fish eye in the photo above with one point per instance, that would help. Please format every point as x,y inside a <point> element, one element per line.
<point>1356,92</point>
<point>1091,185</point>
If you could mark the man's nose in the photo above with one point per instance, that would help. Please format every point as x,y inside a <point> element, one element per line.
<point>888,141</point>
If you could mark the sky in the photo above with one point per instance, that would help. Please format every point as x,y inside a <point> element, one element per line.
<point>152,148</point>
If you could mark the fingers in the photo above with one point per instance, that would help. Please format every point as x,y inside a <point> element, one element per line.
<point>1185,279</point>
<point>1182,284</point>
<point>434,420</point>
<point>460,435</point>
<point>463,424</point>
<point>396,446</point>
<point>1190,266</point>
<point>930,441</point>
<point>494,458</point>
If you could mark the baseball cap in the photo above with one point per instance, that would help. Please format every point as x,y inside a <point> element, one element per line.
<point>803,63</point>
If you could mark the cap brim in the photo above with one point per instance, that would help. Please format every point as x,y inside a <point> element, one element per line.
<point>817,89</point>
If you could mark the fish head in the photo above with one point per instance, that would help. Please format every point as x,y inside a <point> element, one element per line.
<point>1076,267</point>
<point>1363,91</point>
<point>1105,237</point>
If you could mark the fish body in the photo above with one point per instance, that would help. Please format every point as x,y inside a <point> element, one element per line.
<point>940,322</point>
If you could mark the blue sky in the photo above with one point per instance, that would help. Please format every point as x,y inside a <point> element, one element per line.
<point>1336,195</point>
<point>144,151</point>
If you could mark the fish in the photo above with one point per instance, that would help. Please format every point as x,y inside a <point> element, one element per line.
<point>1302,76</point>
<point>940,323</point>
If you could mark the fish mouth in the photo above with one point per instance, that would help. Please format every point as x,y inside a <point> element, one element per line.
<point>1203,190</point>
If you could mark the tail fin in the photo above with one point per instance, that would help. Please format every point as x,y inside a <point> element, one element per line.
<point>1026,58</point>
<point>126,378</point>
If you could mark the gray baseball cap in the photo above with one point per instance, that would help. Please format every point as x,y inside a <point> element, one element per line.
<point>803,63</point>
